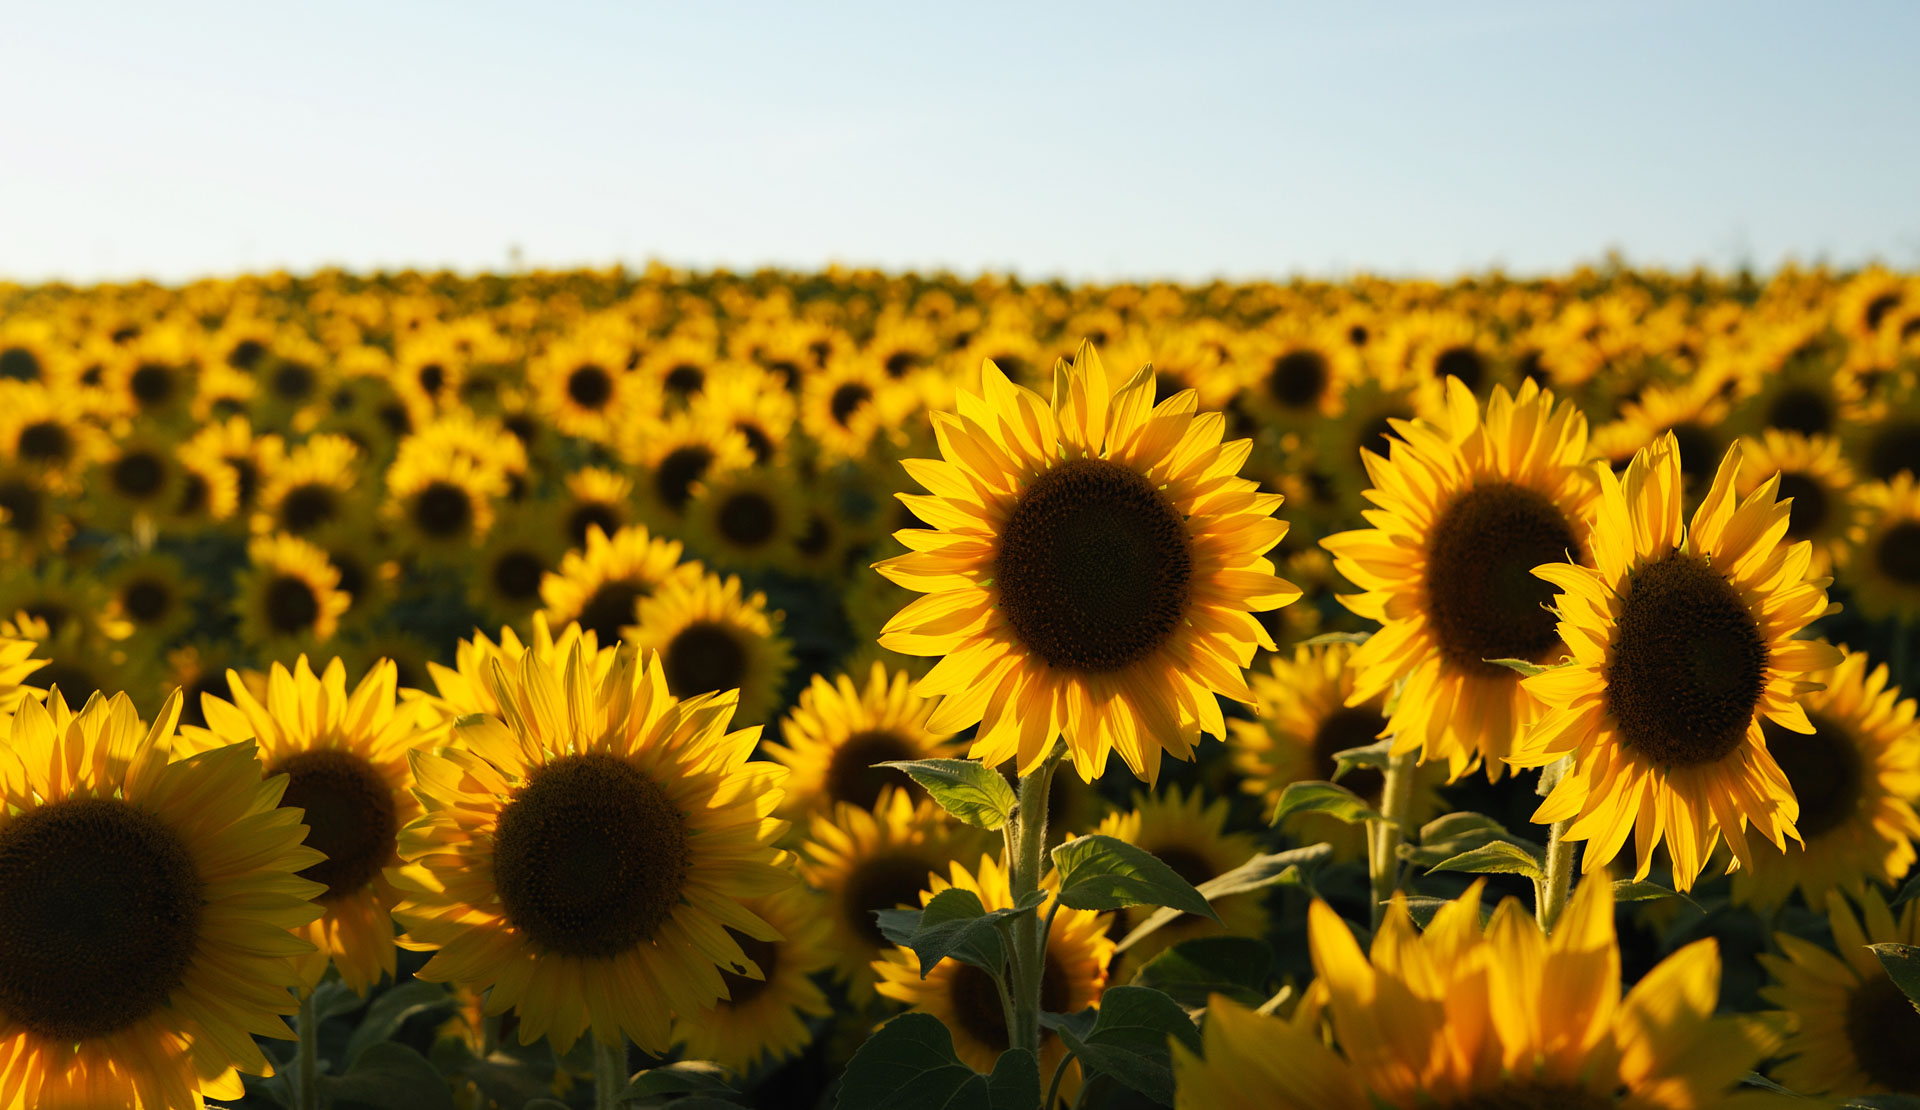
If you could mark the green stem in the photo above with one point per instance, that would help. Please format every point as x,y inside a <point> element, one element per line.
<point>1384,836</point>
<point>306,1068</point>
<point>609,1072</point>
<point>1029,946</point>
<point>1053,1088</point>
<point>1553,888</point>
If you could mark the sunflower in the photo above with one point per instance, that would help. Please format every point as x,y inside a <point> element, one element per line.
<point>314,485</point>
<point>1853,1029</point>
<point>747,519</point>
<point>344,754</point>
<point>866,860</point>
<point>850,406</point>
<point>586,385</point>
<point>753,402</point>
<point>838,732</point>
<point>1889,445</point>
<point>48,432</point>
<point>16,664</point>
<point>595,497</point>
<point>443,503</point>
<point>1188,834</point>
<point>139,479</point>
<point>1885,576</point>
<point>34,517</point>
<point>290,596</point>
<point>1693,412</point>
<point>1297,376</point>
<point>1816,476</point>
<point>584,856</point>
<point>1091,571</point>
<point>1856,777</point>
<point>209,491</point>
<point>466,687</point>
<point>1499,1017</point>
<point>965,998</point>
<point>1682,644</point>
<point>766,1020</point>
<point>601,586</point>
<point>146,909</point>
<point>1304,720</point>
<point>678,369</point>
<point>712,637</point>
<point>154,595</point>
<point>524,547</point>
<point>197,669</point>
<point>1466,509</point>
<point>676,455</point>
<point>249,456</point>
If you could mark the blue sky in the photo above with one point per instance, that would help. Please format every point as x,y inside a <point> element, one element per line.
<point>1092,141</point>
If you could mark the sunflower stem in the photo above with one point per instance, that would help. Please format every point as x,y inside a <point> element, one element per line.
<point>306,1066</point>
<point>1384,836</point>
<point>1554,886</point>
<point>1053,1088</point>
<point>1029,945</point>
<point>609,1072</point>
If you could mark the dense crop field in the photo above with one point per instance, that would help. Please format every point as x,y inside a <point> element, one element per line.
<point>700,689</point>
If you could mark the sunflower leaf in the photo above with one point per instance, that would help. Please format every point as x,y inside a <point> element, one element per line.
<point>391,1010</point>
<point>1495,857</point>
<point>1130,1040</point>
<point>1902,962</point>
<point>1015,1082</point>
<point>1523,666</point>
<point>972,792</point>
<point>955,925</point>
<point>1908,892</point>
<point>1258,873</point>
<point>687,1077</point>
<point>1446,837</point>
<point>391,1076</point>
<point>1332,799</point>
<point>1422,907</point>
<point>909,1064</point>
<point>1105,873</point>
<point>1335,638</point>
<point>1377,754</point>
<point>1193,970</point>
<point>1646,890</point>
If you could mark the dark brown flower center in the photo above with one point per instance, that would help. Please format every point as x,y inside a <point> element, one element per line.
<point>152,384</point>
<point>590,386</point>
<point>307,507</point>
<point>1482,596</point>
<point>291,606</point>
<point>45,441</point>
<point>682,467</point>
<point>293,382</point>
<point>443,510</point>
<point>1898,553</point>
<point>1299,378</point>
<point>25,506</point>
<point>1810,504</point>
<point>100,909</point>
<point>610,608</point>
<point>592,514</point>
<point>741,989</point>
<point>884,882</point>
<point>590,857</point>
<point>1800,409</point>
<point>147,600</point>
<point>852,776</point>
<point>1883,1028</point>
<point>747,518</point>
<point>1689,663</point>
<point>976,1002</point>
<point>1465,363</point>
<point>138,474</point>
<point>1520,1095</point>
<point>847,400</point>
<point>1894,447</point>
<point>1823,769</point>
<point>1354,726</point>
<point>685,379</point>
<point>350,816</point>
<point>703,657</point>
<point>19,364</point>
<point>517,575</point>
<point>1095,567</point>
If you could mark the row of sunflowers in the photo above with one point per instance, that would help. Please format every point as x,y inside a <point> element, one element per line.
<point>571,689</point>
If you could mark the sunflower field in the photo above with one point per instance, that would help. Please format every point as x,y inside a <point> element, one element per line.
<point>711,690</point>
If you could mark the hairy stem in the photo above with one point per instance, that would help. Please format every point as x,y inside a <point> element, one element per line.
<point>306,1068</point>
<point>1384,836</point>
<point>1554,887</point>
<point>1029,945</point>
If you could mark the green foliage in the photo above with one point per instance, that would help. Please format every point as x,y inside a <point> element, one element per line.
<point>909,1064</point>
<point>971,791</point>
<point>1645,890</point>
<point>1258,873</point>
<point>391,1010</point>
<point>1376,755</point>
<point>1104,873</point>
<point>390,1076</point>
<point>664,1085</point>
<point>1192,971</point>
<point>1496,857</point>
<point>1332,799</point>
<point>1130,1037</point>
<point>1456,834</point>
<point>956,925</point>
<point>1902,962</point>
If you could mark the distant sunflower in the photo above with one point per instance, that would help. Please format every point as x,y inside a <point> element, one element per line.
<point>33,517</point>
<point>848,405</point>
<point>1889,443</point>
<point>1856,777</point>
<point>1465,510</point>
<point>138,478</point>
<point>1296,377</point>
<point>753,402</point>
<point>745,518</point>
<point>675,456</point>
<point>146,909</point>
<point>586,384</point>
<point>712,637</point>
<point>1816,476</point>
<point>467,688</point>
<point>1303,721</point>
<point>16,664</point>
<point>965,998</point>
<point>878,859</point>
<point>601,586</point>
<point>1885,575</point>
<point>345,757</point>
<point>290,597</point>
<point>152,593</point>
<point>1496,1016</point>
<point>1681,640</point>
<point>595,497</point>
<point>584,855</point>
<point>763,1021</point>
<point>51,433</point>
<point>247,455</point>
<point>314,485</point>
<point>520,552</point>
<point>443,504</point>
<point>677,370</point>
<point>1091,571</point>
<point>1854,1031</point>
<point>1693,412</point>
<point>1188,834</point>
<point>838,731</point>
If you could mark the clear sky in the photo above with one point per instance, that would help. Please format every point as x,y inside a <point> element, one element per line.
<point>1097,141</point>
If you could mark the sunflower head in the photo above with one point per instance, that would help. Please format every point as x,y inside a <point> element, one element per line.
<point>1853,1028</point>
<point>839,732</point>
<point>1091,565</point>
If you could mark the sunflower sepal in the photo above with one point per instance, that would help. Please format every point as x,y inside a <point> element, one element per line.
<point>972,792</point>
<point>1902,962</point>
<point>1130,1041</point>
<point>1099,872</point>
<point>956,925</point>
<point>1329,798</point>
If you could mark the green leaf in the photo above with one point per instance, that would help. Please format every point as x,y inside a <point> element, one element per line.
<point>1422,907</point>
<point>1129,1040</point>
<point>955,925</point>
<point>1335,638</point>
<point>391,1076</point>
<point>1079,1023</point>
<point>1755,1079</point>
<point>973,792</point>
<point>688,1077</point>
<point>1329,798</point>
<point>909,1064</point>
<point>1105,873</point>
<point>333,998</point>
<point>391,1010</point>
<point>502,1076</point>
<point>1192,970</point>
<point>1521,665</point>
<point>1909,890</point>
<point>1496,857</point>
<point>1377,754</point>
<point>1258,873</point>
<point>1902,962</point>
<point>1446,837</point>
<point>1881,1102</point>
<point>1015,1082</point>
<point>1646,890</point>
